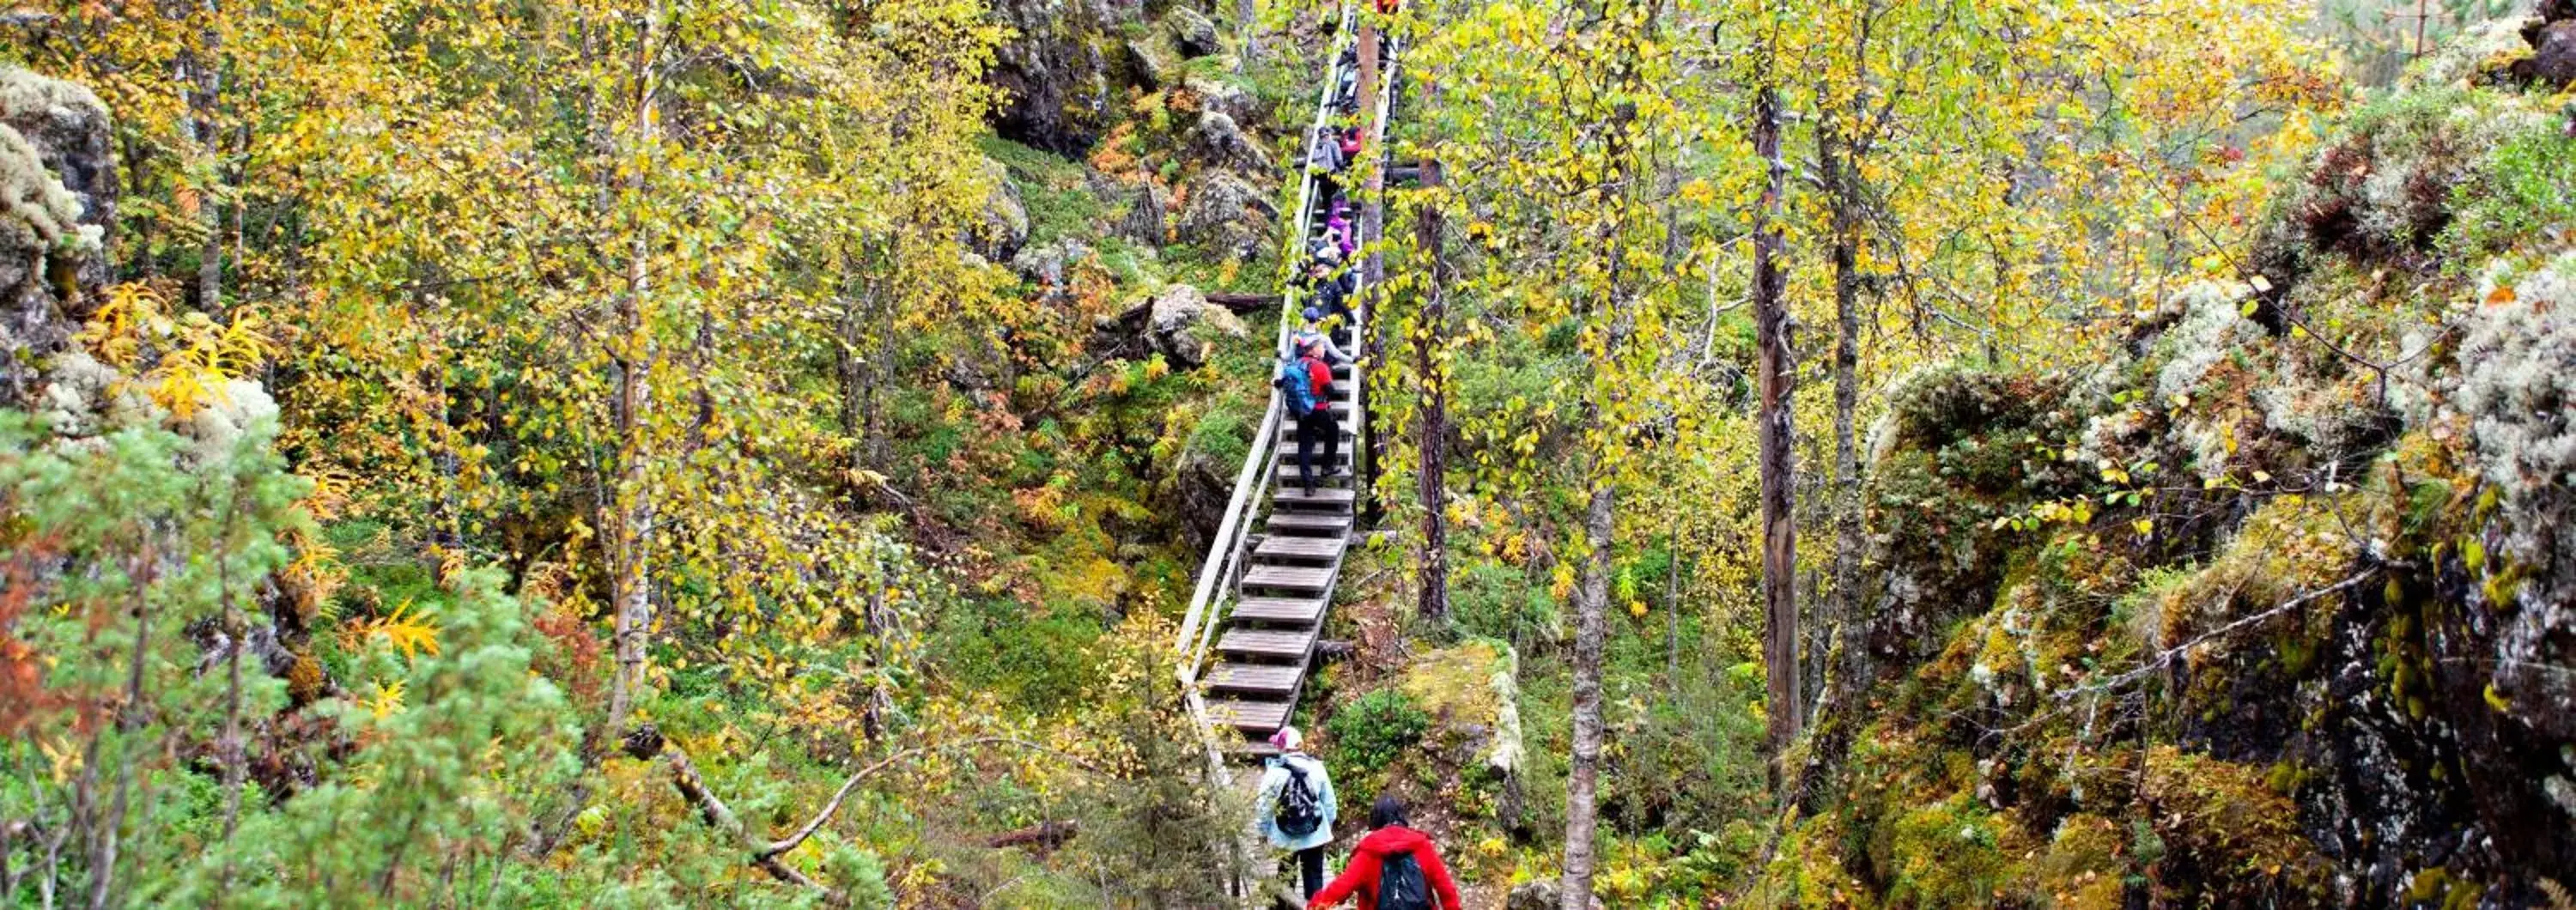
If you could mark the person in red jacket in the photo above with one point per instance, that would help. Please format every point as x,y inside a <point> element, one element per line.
<point>1378,865</point>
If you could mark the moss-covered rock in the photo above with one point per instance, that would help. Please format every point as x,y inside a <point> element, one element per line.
<point>2238,618</point>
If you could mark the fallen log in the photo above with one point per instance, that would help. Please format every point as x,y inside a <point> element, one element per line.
<point>1243,303</point>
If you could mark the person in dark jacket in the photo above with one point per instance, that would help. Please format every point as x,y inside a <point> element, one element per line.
<point>1387,839</point>
<point>1327,284</point>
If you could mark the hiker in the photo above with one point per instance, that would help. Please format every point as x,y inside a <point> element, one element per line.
<point>1296,809</point>
<point>1326,157</point>
<point>1328,290</point>
<point>1305,384</point>
<point>1393,868</point>
<point>1350,145</point>
<point>1339,233</point>
<point>1312,336</point>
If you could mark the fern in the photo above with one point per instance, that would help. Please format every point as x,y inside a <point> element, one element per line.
<point>2559,898</point>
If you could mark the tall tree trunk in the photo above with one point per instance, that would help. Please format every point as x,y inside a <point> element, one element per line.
<point>630,508</point>
<point>1372,228</point>
<point>202,69</point>
<point>850,364</point>
<point>1840,174</point>
<point>1247,19</point>
<point>1592,593</point>
<point>1672,616</point>
<point>1582,778</point>
<point>1431,429</point>
<point>1772,369</point>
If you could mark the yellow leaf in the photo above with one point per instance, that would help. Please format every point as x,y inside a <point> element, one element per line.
<point>408,633</point>
<point>389,699</point>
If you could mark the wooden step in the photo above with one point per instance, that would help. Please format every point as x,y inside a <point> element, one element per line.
<point>1295,611</point>
<point>1328,499</point>
<point>1308,523</point>
<point>1279,680</point>
<point>1260,717</point>
<point>1290,578</point>
<point>1336,476</point>
<point>1288,432</point>
<point>1322,549</point>
<point>1267,644</point>
<point>1288,457</point>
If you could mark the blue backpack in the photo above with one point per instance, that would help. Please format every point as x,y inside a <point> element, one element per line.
<point>1293,382</point>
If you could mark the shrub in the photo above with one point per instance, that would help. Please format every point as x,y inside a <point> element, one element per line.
<point>1369,733</point>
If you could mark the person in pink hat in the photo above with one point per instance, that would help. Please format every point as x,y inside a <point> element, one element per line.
<point>1296,809</point>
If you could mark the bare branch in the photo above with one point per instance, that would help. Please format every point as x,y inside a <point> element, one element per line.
<point>2165,658</point>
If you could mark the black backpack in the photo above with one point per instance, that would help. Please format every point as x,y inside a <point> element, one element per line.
<point>1301,809</point>
<point>1400,885</point>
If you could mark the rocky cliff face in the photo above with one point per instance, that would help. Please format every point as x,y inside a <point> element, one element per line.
<point>1056,72</point>
<point>57,195</point>
<point>1072,60</point>
<point>2241,618</point>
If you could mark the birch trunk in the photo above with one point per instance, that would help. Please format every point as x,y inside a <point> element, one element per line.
<point>1582,777</point>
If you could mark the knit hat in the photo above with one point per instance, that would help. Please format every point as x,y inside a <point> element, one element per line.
<point>1287,739</point>
<point>1314,314</point>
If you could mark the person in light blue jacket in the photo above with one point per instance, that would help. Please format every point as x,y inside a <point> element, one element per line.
<point>1296,809</point>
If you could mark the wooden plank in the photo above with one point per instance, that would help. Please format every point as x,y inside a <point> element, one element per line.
<point>1294,578</point>
<point>1288,457</point>
<point>1309,523</point>
<point>1291,610</point>
<point>1260,716</point>
<point>1302,548</point>
<point>1260,679</point>
<point>1287,477</point>
<point>1275,644</point>
<point>1288,435</point>
<point>1323,497</point>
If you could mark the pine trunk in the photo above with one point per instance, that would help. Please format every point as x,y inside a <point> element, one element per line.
<point>1372,228</point>
<point>1779,524</point>
<point>1431,430</point>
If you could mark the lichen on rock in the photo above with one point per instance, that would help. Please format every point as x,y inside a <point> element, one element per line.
<point>57,186</point>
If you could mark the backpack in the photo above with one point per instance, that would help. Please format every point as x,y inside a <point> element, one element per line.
<point>1319,380</point>
<point>1400,885</point>
<point>1301,809</point>
<point>1296,384</point>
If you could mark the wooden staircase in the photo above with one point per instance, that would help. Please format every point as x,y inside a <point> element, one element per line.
<point>1286,587</point>
<point>1267,583</point>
